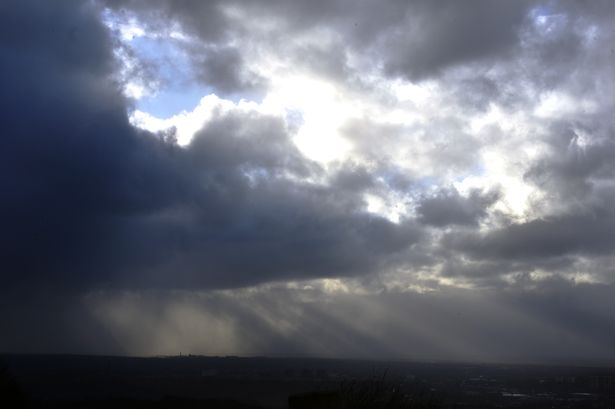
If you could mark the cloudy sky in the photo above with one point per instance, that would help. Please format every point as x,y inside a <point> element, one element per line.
<point>430,180</point>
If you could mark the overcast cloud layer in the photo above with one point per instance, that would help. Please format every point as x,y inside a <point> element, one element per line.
<point>399,179</point>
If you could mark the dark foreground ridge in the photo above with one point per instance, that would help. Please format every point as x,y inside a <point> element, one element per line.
<point>73,381</point>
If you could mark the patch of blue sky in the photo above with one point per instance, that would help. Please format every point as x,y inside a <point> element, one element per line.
<point>178,90</point>
<point>172,101</point>
<point>171,61</point>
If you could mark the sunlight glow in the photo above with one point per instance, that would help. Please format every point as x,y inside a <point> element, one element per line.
<point>323,111</point>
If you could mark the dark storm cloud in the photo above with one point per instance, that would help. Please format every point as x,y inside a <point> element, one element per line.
<point>246,224</point>
<point>64,144</point>
<point>89,201</point>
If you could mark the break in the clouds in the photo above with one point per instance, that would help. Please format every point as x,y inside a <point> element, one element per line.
<point>297,177</point>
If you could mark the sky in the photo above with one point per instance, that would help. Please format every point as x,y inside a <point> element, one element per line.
<point>412,180</point>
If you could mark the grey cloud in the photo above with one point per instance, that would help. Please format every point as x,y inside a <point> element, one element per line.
<point>560,47</point>
<point>438,35</point>
<point>414,40</point>
<point>224,69</point>
<point>449,207</point>
<point>503,274</point>
<point>572,213</point>
<point>550,237</point>
<point>569,51</point>
<point>477,92</point>
<point>328,61</point>
<point>444,148</point>
<point>576,162</point>
<point>354,178</point>
<point>205,19</point>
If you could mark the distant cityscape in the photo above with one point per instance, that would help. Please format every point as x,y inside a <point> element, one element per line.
<point>269,382</point>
